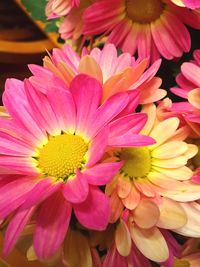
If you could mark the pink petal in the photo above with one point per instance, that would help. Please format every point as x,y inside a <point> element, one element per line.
<point>63,105</point>
<point>15,227</point>
<point>42,109</point>
<point>134,122</point>
<point>130,139</point>
<point>13,195</point>
<point>87,93</point>
<point>51,226</point>
<point>76,189</point>
<point>98,147</point>
<point>43,189</point>
<point>20,110</point>
<point>25,166</point>
<point>108,111</point>
<point>11,145</point>
<point>102,173</point>
<point>94,212</point>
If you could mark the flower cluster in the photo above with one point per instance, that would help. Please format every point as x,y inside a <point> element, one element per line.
<point>93,158</point>
<point>96,161</point>
<point>151,28</point>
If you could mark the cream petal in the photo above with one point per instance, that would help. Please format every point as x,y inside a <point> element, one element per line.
<point>170,150</point>
<point>151,243</point>
<point>172,215</point>
<point>194,97</point>
<point>191,192</point>
<point>76,250</point>
<point>191,228</point>
<point>146,214</point>
<point>145,187</point>
<point>191,152</point>
<point>132,200</point>
<point>170,163</point>
<point>123,187</point>
<point>163,131</point>
<point>88,65</point>
<point>123,239</point>
<point>150,109</point>
<point>161,180</point>
<point>182,173</point>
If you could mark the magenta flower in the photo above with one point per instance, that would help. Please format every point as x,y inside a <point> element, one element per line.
<point>189,88</point>
<point>152,29</point>
<point>52,147</point>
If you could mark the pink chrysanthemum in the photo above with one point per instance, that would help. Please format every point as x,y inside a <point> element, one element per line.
<point>189,82</point>
<point>51,148</point>
<point>150,28</point>
<point>59,8</point>
<point>115,73</point>
<point>72,26</point>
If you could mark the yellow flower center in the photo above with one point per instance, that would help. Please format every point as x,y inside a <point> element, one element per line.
<point>137,161</point>
<point>144,11</point>
<point>62,155</point>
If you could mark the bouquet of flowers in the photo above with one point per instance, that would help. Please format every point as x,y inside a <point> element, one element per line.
<point>99,162</point>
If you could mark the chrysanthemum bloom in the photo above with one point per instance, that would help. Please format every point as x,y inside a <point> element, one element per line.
<point>124,252</point>
<point>115,73</point>
<point>51,149</point>
<point>59,8</point>
<point>189,82</point>
<point>152,183</point>
<point>72,26</point>
<point>150,28</point>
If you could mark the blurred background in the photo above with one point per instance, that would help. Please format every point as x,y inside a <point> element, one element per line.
<point>22,41</point>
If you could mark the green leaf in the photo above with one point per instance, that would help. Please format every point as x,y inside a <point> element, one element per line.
<point>36,8</point>
<point>51,26</point>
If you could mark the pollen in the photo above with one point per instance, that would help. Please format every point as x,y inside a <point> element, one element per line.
<point>62,155</point>
<point>137,161</point>
<point>144,11</point>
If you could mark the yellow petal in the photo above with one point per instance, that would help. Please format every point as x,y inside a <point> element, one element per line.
<point>88,65</point>
<point>163,131</point>
<point>150,109</point>
<point>170,163</point>
<point>191,228</point>
<point>182,173</point>
<point>191,151</point>
<point>172,215</point>
<point>161,180</point>
<point>170,150</point>
<point>151,243</point>
<point>146,214</point>
<point>123,239</point>
<point>194,97</point>
<point>77,250</point>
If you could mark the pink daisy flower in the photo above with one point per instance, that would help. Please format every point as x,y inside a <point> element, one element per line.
<point>189,83</point>
<point>52,148</point>
<point>72,26</point>
<point>115,73</point>
<point>59,8</point>
<point>151,28</point>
